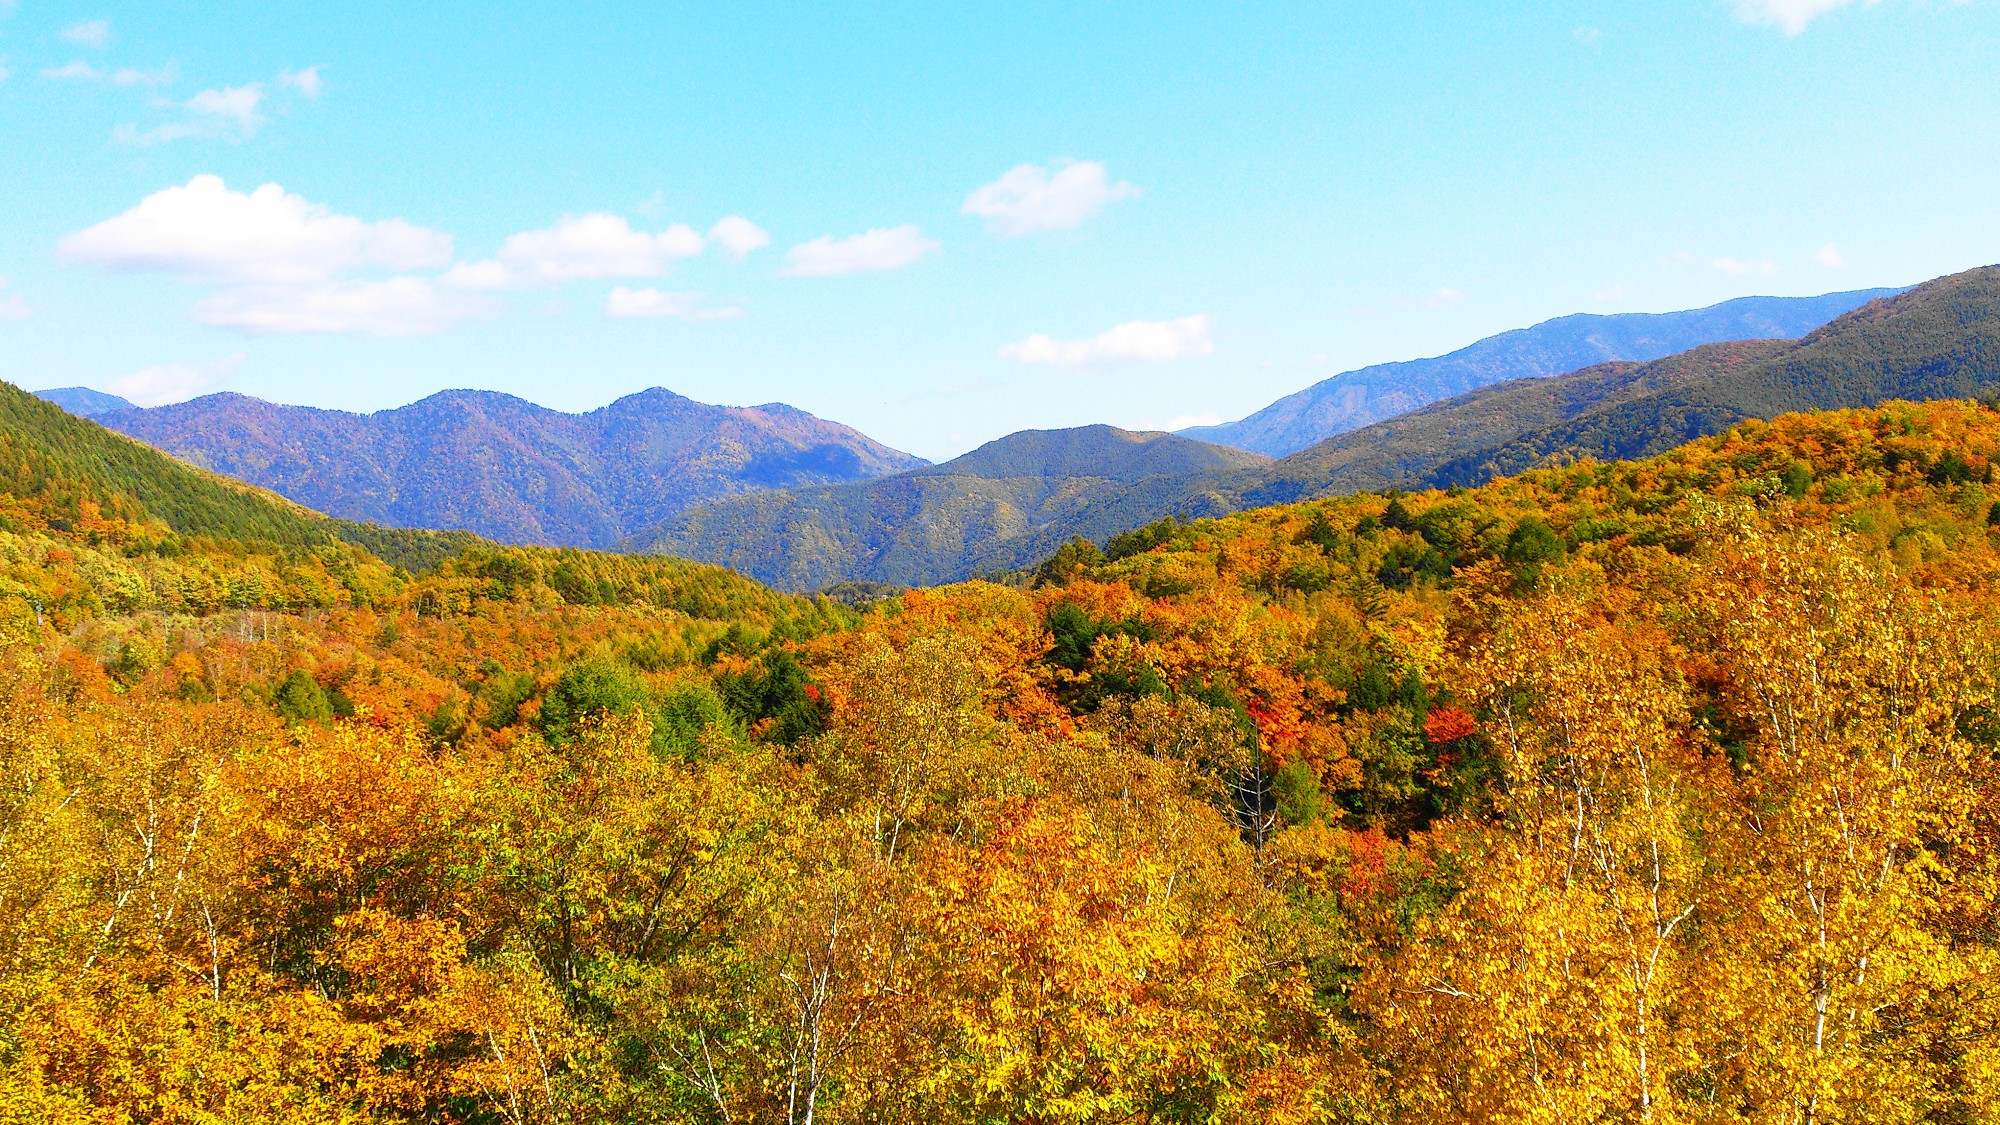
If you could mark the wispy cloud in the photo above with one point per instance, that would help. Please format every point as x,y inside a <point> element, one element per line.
<point>1744,267</point>
<point>229,112</point>
<point>1791,15</point>
<point>12,307</point>
<point>138,76</point>
<point>1830,256</point>
<point>1206,418</point>
<point>306,81</point>
<point>173,382</point>
<point>883,248</point>
<point>396,306</point>
<point>656,304</point>
<point>90,33</point>
<point>1147,341</point>
<point>76,70</point>
<point>578,247</point>
<point>1608,294</point>
<point>1029,198</point>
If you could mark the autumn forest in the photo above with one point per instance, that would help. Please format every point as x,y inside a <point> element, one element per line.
<point>1613,791</point>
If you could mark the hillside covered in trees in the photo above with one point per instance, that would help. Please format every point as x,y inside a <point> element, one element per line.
<point>1934,340</point>
<point>1353,399</point>
<point>1612,791</point>
<point>994,508</point>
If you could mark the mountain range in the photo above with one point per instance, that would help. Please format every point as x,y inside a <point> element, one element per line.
<point>508,469</point>
<point>1354,399</point>
<point>803,503</point>
<point>1936,340</point>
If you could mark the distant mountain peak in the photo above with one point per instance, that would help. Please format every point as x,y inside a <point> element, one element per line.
<point>84,402</point>
<point>1098,451</point>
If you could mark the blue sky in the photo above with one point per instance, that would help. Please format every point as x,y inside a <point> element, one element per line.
<point>1142,214</point>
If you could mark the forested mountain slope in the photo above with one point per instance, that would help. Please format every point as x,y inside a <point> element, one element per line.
<point>1385,810</point>
<point>74,471</point>
<point>1405,451</point>
<point>983,511</point>
<point>1354,399</point>
<point>1938,339</point>
<point>508,469</point>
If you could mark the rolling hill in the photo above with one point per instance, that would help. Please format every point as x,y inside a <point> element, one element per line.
<point>983,511</point>
<point>508,469</point>
<point>1354,399</point>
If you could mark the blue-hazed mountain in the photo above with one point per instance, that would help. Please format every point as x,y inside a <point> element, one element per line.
<point>1354,399</point>
<point>509,469</point>
<point>84,402</point>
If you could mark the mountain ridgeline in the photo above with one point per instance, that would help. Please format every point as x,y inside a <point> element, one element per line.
<point>508,469</point>
<point>1354,399</point>
<point>1937,340</point>
<point>84,402</point>
<point>987,510</point>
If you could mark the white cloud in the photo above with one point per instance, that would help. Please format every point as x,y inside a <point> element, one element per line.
<point>1791,15</point>
<point>12,307</point>
<point>1443,298</point>
<point>1609,293</point>
<point>173,382</point>
<point>1151,341</point>
<point>90,33</point>
<point>578,247</point>
<point>1742,267</point>
<point>1206,418</point>
<point>738,236</point>
<point>76,70</point>
<point>396,306</point>
<point>268,236</point>
<point>1830,256</point>
<point>1028,199</point>
<point>657,303</point>
<point>883,248</point>
<point>306,81</point>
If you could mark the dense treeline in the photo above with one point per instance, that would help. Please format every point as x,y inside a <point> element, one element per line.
<point>1616,792</point>
<point>60,470</point>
